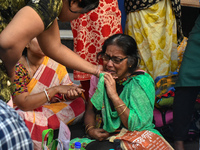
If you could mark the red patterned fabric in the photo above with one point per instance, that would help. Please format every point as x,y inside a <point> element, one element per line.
<point>91,29</point>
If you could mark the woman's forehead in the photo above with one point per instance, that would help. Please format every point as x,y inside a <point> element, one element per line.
<point>114,49</point>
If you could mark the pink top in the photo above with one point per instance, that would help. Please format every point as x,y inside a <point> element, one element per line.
<point>93,85</point>
<point>10,102</point>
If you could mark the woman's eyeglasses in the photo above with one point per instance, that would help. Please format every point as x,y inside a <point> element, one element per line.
<point>114,59</point>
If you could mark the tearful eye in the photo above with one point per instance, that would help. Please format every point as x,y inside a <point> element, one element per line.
<point>116,60</point>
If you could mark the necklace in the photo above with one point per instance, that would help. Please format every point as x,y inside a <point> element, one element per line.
<point>29,68</point>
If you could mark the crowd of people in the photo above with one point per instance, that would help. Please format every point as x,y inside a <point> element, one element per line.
<point>120,47</point>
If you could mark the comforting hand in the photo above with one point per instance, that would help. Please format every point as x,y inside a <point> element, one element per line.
<point>99,134</point>
<point>99,70</point>
<point>74,92</point>
<point>70,91</point>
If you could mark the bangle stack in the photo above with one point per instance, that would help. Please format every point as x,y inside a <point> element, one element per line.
<point>88,128</point>
<point>120,106</point>
<point>123,111</point>
<point>47,95</point>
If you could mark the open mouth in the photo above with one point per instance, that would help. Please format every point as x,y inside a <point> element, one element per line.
<point>110,71</point>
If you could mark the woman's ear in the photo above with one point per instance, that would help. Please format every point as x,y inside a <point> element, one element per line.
<point>28,45</point>
<point>73,2</point>
<point>74,5</point>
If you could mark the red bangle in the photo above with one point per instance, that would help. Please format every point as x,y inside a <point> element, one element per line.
<point>66,98</point>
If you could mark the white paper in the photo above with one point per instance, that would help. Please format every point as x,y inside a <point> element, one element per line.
<point>64,135</point>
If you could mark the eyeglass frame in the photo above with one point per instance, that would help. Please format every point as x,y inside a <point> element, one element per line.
<point>111,58</point>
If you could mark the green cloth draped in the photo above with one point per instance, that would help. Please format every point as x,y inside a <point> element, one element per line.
<point>138,95</point>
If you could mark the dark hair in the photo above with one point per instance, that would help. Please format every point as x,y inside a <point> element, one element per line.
<point>128,46</point>
<point>24,53</point>
<point>87,5</point>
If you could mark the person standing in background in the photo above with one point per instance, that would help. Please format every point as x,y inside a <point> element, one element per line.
<point>123,13</point>
<point>187,87</point>
<point>90,31</point>
<point>156,27</point>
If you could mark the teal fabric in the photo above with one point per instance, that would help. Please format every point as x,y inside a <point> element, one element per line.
<point>189,74</point>
<point>138,95</point>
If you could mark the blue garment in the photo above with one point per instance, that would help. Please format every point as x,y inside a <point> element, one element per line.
<point>123,13</point>
<point>14,134</point>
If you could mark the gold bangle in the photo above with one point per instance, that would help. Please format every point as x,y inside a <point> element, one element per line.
<point>120,106</point>
<point>123,111</point>
<point>86,126</point>
<point>89,128</point>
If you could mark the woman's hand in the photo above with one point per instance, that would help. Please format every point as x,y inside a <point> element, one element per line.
<point>71,91</point>
<point>98,70</point>
<point>110,86</point>
<point>98,134</point>
<point>74,92</point>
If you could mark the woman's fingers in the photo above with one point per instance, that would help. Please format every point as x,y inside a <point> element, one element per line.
<point>76,92</point>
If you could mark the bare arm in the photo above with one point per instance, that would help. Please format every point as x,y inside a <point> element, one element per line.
<point>99,134</point>
<point>51,45</point>
<point>24,26</point>
<point>89,118</point>
<point>28,102</point>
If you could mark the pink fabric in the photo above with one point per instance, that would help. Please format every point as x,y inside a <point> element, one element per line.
<point>159,119</point>
<point>10,102</point>
<point>93,85</point>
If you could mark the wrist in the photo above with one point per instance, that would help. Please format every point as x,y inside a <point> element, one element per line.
<point>115,98</point>
<point>47,95</point>
<point>89,128</point>
<point>55,89</point>
<point>97,72</point>
<point>90,132</point>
